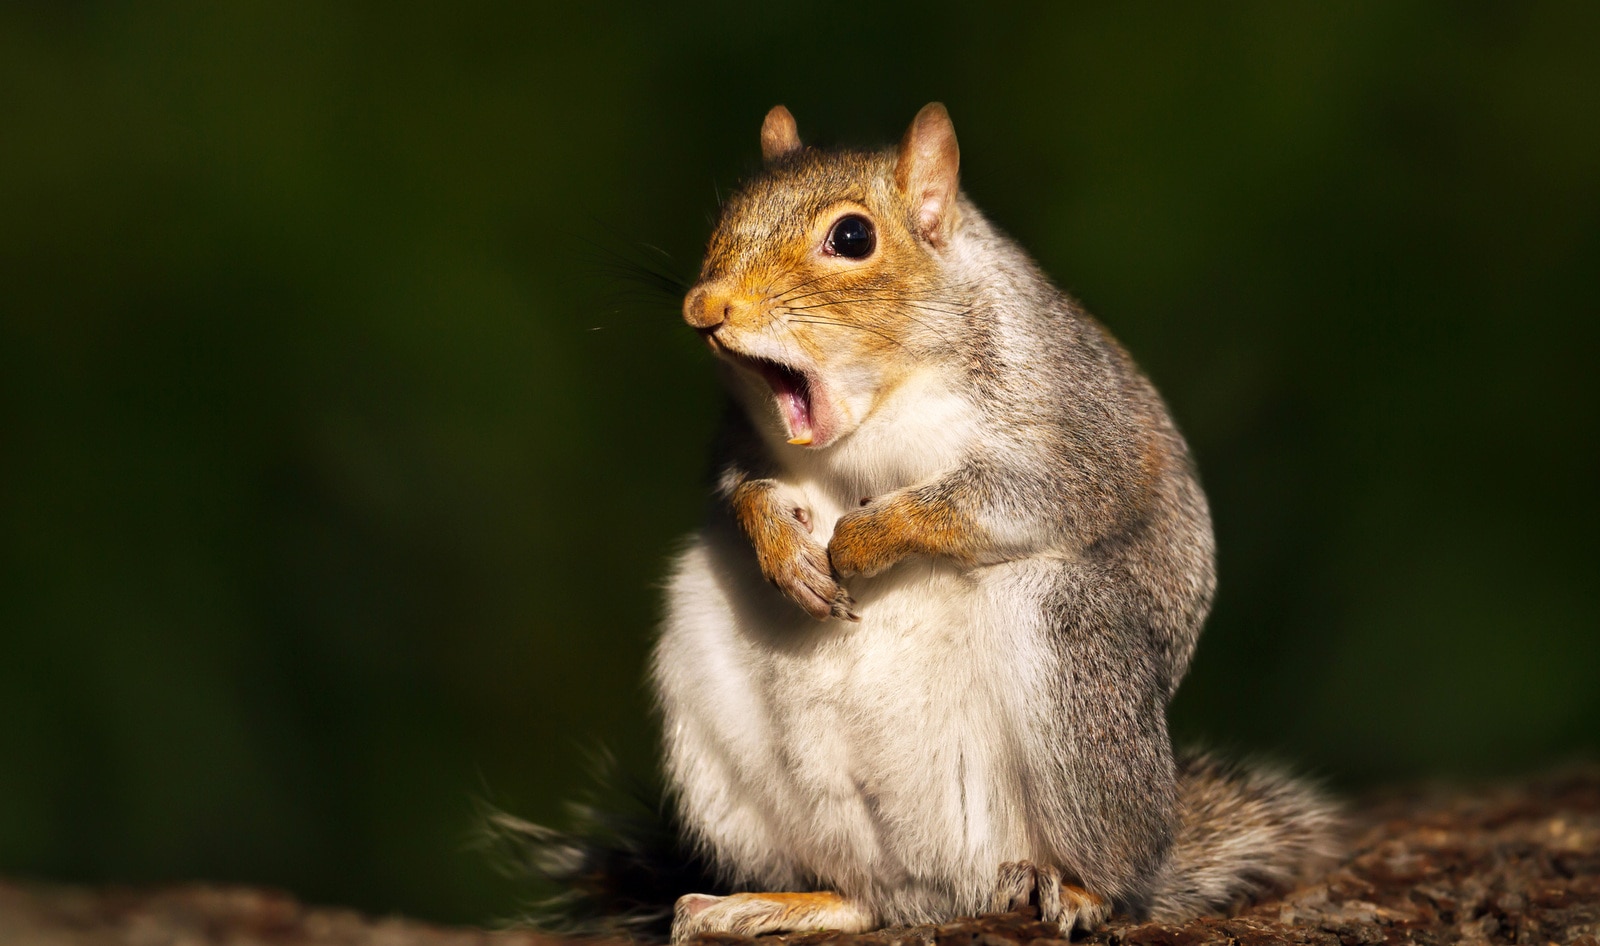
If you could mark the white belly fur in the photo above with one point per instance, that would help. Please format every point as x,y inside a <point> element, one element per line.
<point>882,759</point>
<point>879,759</point>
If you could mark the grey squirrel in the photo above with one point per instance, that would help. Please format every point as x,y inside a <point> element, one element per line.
<point>916,663</point>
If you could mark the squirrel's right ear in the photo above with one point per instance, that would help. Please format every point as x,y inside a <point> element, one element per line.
<point>779,135</point>
<point>927,172</point>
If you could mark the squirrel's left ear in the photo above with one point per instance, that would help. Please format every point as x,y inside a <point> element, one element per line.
<point>927,172</point>
<point>779,136</point>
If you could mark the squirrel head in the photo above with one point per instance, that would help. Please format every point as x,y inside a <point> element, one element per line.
<point>825,274</point>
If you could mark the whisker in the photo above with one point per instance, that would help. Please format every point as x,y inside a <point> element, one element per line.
<point>786,294</point>
<point>953,307</point>
<point>778,296</point>
<point>806,282</point>
<point>902,308</point>
<point>812,320</point>
<point>658,275</point>
<point>942,336</point>
<point>904,311</point>
<point>939,294</point>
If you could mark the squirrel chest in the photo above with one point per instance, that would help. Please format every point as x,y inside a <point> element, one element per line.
<point>872,747</point>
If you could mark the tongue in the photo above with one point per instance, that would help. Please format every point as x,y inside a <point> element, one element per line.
<point>798,413</point>
<point>794,401</point>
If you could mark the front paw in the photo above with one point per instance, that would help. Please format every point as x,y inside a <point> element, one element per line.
<point>860,544</point>
<point>805,576</point>
<point>779,530</point>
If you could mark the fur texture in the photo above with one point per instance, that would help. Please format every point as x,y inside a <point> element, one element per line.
<point>615,869</point>
<point>919,657</point>
<point>1243,831</point>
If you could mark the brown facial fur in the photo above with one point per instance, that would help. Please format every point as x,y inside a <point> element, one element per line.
<point>767,282</point>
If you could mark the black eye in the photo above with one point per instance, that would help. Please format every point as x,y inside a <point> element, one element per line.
<point>852,236</point>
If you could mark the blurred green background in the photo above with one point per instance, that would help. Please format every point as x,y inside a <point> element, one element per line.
<point>338,467</point>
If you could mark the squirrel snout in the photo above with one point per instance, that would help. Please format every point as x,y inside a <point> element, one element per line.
<point>706,311</point>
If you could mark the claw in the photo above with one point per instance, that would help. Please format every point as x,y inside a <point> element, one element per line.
<point>844,606</point>
<point>1067,905</point>
<point>802,573</point>
<point>1014,887</point>
<point>1049,887</point>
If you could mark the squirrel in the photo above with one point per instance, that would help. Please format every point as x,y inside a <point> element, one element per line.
<point>916,663</point>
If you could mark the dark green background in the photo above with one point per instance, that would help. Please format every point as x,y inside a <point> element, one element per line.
<point>337,472</point>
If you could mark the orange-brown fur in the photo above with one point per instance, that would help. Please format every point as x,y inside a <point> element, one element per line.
<point>789,558</point>
<point>752,913</point>
<point>871,539</point>
<point>796,902</point>
<point>1080,898</point>
<point>763,269</point>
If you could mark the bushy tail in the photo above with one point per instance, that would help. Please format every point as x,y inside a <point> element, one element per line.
<point>617,868</point>
<point>625,858</point>
<point>1244,831</point>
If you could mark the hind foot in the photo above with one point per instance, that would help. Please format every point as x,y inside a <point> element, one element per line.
<point>1066,904</point>
<point>750,914</point>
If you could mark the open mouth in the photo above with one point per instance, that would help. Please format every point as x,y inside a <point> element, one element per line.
<point>793,390</point>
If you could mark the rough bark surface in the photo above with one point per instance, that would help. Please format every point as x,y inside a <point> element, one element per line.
<point>1518,863</point>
